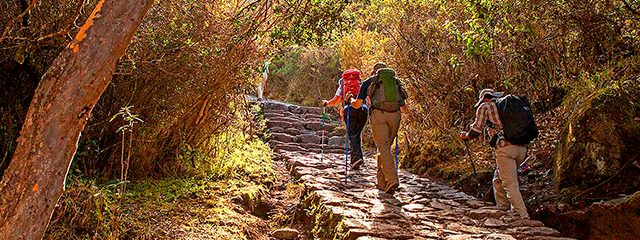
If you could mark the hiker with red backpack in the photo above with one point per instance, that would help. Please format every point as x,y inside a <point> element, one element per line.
<point>512,126</point>
<point>387,97</point>
<point>355,119</point>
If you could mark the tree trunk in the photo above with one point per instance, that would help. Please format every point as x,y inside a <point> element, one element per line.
<point>34,181</point>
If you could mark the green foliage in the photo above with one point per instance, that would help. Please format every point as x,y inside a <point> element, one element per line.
<point>231,155</point>
<point>325,225</point>
<point>84,211</point>
<point>128,117</point>
<point>321,21</point>
<point>304,75</point>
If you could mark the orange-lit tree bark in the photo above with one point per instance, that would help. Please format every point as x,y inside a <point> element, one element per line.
<point>34,181</point>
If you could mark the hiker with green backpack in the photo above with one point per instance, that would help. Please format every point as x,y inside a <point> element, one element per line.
<point>387,97</point>
<point>511,124</point>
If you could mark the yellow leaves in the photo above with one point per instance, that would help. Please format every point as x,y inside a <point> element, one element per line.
<point>361,49</point>
<point>629,22</point>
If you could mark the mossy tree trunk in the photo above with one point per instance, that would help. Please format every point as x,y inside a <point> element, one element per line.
<point>68,91</point>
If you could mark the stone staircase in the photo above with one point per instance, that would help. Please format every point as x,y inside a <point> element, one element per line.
<point>353,208</point>
<point>295,128</point>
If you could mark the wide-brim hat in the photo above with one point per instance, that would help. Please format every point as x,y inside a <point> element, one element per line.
<point>485,92</point>
<point>378,66</point>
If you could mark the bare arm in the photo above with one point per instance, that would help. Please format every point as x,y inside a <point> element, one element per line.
<point>335,100</point>
<point>357,103</point>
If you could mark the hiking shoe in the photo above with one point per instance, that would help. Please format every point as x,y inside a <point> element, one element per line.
<point>355,165</point>
<point>503,207</point>
<point>391,189</point>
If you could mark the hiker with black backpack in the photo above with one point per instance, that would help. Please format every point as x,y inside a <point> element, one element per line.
<point>511,124</point>
<point>387,96</point>
<point>355,119</point>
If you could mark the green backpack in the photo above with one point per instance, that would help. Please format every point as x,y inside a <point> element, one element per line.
<point>386,91</point>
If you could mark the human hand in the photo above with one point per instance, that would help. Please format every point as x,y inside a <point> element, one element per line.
<point>324,103</point>
<point>464,136</point>
<point>349,97</point>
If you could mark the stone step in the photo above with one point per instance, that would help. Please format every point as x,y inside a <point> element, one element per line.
<point>274,107</point>
<point>274,115</point>
<point>297,131</point>
<point>285,124</point>
<point>302,138</point>
<point>284,107</point>
<point>337,141</point>
<point>286,119</point>
<point>282,137</point>
<point>305,147</point>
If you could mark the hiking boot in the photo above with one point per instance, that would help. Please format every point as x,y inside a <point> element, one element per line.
<point>391,189</point>
<point>503,207</point>
<point>356,165</point>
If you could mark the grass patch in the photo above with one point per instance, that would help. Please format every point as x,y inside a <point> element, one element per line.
<point>214,203</point>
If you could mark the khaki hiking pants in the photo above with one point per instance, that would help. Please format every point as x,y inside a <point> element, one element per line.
<point>505,179</point>
<point>384,126</point>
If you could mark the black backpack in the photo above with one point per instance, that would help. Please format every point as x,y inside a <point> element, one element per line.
<point>518,125</point>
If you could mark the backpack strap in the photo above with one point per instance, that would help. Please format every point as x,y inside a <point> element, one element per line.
<point>373,87</point>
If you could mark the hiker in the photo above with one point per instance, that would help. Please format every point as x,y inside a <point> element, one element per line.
<point>349,84</point>
<point>387,97</point>
<point>262,85</point>
<point>508,155</point>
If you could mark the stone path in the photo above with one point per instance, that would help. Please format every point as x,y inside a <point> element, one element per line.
<point>355,209</point>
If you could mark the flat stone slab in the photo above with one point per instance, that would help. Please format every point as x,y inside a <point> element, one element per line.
<point>282,137</point>
<point>337,141</point>
<point>314,126</point>
<point>285,233</point>
<point>279,124</point>
<point>494,223</point>
<point>308,138</point>
<point>486,213</point>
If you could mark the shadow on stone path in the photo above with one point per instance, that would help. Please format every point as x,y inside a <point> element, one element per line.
<point>421,209</point>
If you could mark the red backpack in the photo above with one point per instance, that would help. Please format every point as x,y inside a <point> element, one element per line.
<point>351,82</point>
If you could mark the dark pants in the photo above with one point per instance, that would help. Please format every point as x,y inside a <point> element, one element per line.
<point>357,120</point>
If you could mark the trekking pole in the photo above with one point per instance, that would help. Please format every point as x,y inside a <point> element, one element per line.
<point>473,166</point>
<point>324,112</point>
<point>346,155</point>
<point>396,155</point>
